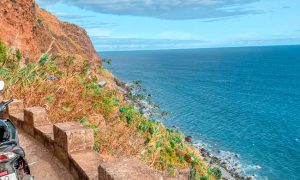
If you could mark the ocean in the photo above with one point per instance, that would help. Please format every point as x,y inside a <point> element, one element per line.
<point>243,101</point>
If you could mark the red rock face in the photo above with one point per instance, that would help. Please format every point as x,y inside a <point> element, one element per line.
<point>34,31</point>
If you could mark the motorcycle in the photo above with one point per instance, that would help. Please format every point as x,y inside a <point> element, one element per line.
<point>13,165</point>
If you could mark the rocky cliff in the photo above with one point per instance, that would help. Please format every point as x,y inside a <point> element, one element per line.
<point>24,26</point>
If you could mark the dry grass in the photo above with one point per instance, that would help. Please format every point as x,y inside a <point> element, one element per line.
<point>74,96</point>
<point>118,128</point>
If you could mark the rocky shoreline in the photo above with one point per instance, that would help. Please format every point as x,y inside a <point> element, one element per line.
<point>229,168</point>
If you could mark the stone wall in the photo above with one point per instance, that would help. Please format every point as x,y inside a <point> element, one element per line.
<point>73,143</point>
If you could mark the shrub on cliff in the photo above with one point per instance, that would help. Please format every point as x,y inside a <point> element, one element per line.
<point>165,149</point>
<point>18,55</point>
<point>3,53</point>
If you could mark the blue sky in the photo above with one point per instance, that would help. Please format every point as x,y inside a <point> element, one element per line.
<point>175,24</point>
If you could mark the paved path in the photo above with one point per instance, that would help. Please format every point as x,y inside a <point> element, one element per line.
<point>43,164</point>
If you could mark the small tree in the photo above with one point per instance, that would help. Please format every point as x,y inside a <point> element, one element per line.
<point>69,60</point>
<point>44,58</point>
<point>18,55</point>
<point>3,53</point>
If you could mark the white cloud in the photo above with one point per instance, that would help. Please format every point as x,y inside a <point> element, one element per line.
<point>70,16</point>
<point>99,32</point>
<point>105,44</point>
<point>167,9</point>
<point>175,35</point>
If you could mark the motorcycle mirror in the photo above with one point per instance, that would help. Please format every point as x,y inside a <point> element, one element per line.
<point>1,85</point>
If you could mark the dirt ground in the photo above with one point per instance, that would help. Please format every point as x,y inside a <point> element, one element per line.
<point>43,164</point>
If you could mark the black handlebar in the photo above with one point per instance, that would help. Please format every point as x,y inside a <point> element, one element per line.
<point>4,104</point>
<point>6,143</point>
<point>8,102</point>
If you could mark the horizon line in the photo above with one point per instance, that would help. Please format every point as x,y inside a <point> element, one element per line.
<point>217,47</point>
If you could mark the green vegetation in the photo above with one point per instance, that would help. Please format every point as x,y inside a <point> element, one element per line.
<point>165,148</point>
<point>96,129</point>
<point>18,55</point>
<point>3,53</point>
<point>69,90</point>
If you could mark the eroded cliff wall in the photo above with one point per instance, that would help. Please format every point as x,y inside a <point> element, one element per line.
<point>23,25</point>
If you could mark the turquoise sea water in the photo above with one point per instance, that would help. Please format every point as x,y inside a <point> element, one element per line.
<point>240,100</point>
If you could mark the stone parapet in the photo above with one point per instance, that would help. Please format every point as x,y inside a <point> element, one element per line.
<point>73,143</point>
<point>127,168</point>
<point>36,116</point>
<point>72,137</point>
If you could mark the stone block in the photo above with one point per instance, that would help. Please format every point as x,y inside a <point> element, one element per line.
<point>103,174</point>
<point>127,168</point>
<point>72,136</point>
<point>44,134</point>
<point>74,171</point>
<point>86,164</point>
<point>62,155</point>
<point>36,116</point>
<point>28,129</point>
<point>17,119</point>
<point>47,131</point>
<point>49,144</point>
<point>17,106</point>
